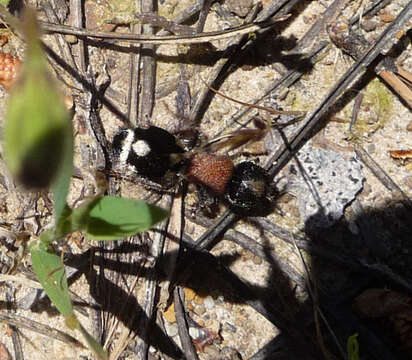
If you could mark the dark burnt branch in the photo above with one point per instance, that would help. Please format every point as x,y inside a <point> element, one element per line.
<point>187,345</point>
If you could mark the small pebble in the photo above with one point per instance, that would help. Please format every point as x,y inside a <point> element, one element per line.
<point>409,127</point>
<point>239,7</point>
<point>190,228</point>
<point>209,302</point>
<point>309,19</point>
<point>257,260</point>
<point>293,210</point>
<point>283,94</point>
<point>246,255</point>
<point>3,205</point>
<point>386,17</point>
<point>199,310</point>
<point>213,325</point>
<point>228,353</point>
<point>212,352</point>
<point>369,25</point>
<point>371,148</point>
<point>189,294</point>
<point>71,39</point>
<point>195,333</point>
<point>171,329</point>
<point>169,314</point>
<point>408,181</point>
<point>3,40</point>
<point>229,327</point>
<point>367,189</point>
<point>221,313</point>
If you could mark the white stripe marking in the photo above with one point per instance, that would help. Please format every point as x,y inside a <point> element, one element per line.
<point>126,146</point>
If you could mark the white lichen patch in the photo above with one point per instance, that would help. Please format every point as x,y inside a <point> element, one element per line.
<point>324,182</point>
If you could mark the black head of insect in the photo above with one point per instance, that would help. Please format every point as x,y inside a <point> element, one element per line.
<point>148,152</point>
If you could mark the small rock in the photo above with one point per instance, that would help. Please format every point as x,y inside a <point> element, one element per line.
<point>386,17</point>
<point>228,327</point>
<point>239,7</point>
<point>189,294</point>
<point>71,39</point>
<point>199,310</point>
<point>283,94</point>
<point>257,260</point>
<point>367,189</point>
<point>213,325</point>
<point>209,302</point>
<point>212,352</point>
<point>95,14</point>
<point>409,127</point>
<point>246,254</point>
<point>369,25</point>
<point>408,181</point>
<point>190,228</point>
<point>229,353</point>
<point>309,19</point>
<point>371,148</point>
<point>171,329</point>
<point>169,314</point>
<point>3,205</point>
<point>336,180</point>
<point>195,333</point>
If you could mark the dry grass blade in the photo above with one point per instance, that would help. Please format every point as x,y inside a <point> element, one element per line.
<point>23,322</point>
<point>159,40</point>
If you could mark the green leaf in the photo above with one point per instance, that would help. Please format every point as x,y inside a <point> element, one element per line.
<point>93,344</point>
<point>112,218</point>
<point>353,347</point>
<point>63,224</point>
<point>109,218</point>
<point>50,272</point>
<point>37,133</point>
<point>63,176</point>
<point>80,215</point>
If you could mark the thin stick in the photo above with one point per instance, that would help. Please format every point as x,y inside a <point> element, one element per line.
<point>158,40</point>
<point>149,68</point>
<point>182,325</point>
<point>21,321</point>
